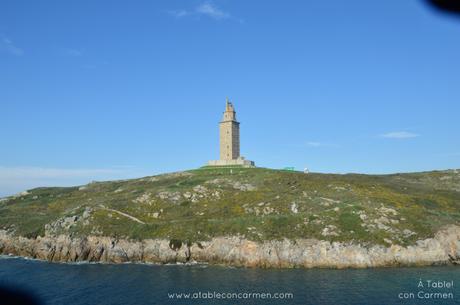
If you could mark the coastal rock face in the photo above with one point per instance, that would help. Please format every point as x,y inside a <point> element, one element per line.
<point>443,248</point>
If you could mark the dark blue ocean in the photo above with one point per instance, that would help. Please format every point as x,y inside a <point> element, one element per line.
<point>68,284</point>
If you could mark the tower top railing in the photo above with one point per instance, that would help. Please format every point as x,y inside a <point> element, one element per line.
<point>229,114</point>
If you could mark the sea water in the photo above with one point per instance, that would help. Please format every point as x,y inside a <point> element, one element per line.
<point>68,284</point>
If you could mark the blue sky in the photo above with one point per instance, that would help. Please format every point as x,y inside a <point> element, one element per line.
<point>94,90</point>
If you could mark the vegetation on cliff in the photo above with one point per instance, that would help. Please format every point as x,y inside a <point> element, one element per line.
<point>254,203</point>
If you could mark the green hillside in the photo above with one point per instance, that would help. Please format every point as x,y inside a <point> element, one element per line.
<point>256,203</point>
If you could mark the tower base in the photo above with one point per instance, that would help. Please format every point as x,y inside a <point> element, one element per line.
<point>240,161</point>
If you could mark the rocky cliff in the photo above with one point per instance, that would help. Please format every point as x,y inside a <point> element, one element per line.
<point>443,248</point>
<point>242,217</point>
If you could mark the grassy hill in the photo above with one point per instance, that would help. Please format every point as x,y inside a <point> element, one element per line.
<point>256,203</point>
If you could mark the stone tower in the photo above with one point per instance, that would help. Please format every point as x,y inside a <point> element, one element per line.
<point>229,134</point>
<point>229,141</point>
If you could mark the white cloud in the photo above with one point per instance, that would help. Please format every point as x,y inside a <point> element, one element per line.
<point>179,13</point>
<point>205,9</point>
<point>72,52</point>
<point>454,154</point>
<point>212,11</point>
<point>7,46</point>
<point>320,144</point>
<point>16,179</point>
<point>40,172</point>
<point>399,135</point>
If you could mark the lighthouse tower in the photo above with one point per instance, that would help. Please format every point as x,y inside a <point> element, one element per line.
<point>229,140</point>
<point>229,134</point>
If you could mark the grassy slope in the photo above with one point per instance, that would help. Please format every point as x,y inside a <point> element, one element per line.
<point>256,203</point>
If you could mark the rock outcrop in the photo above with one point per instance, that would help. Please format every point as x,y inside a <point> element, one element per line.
<point>443,248</point>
